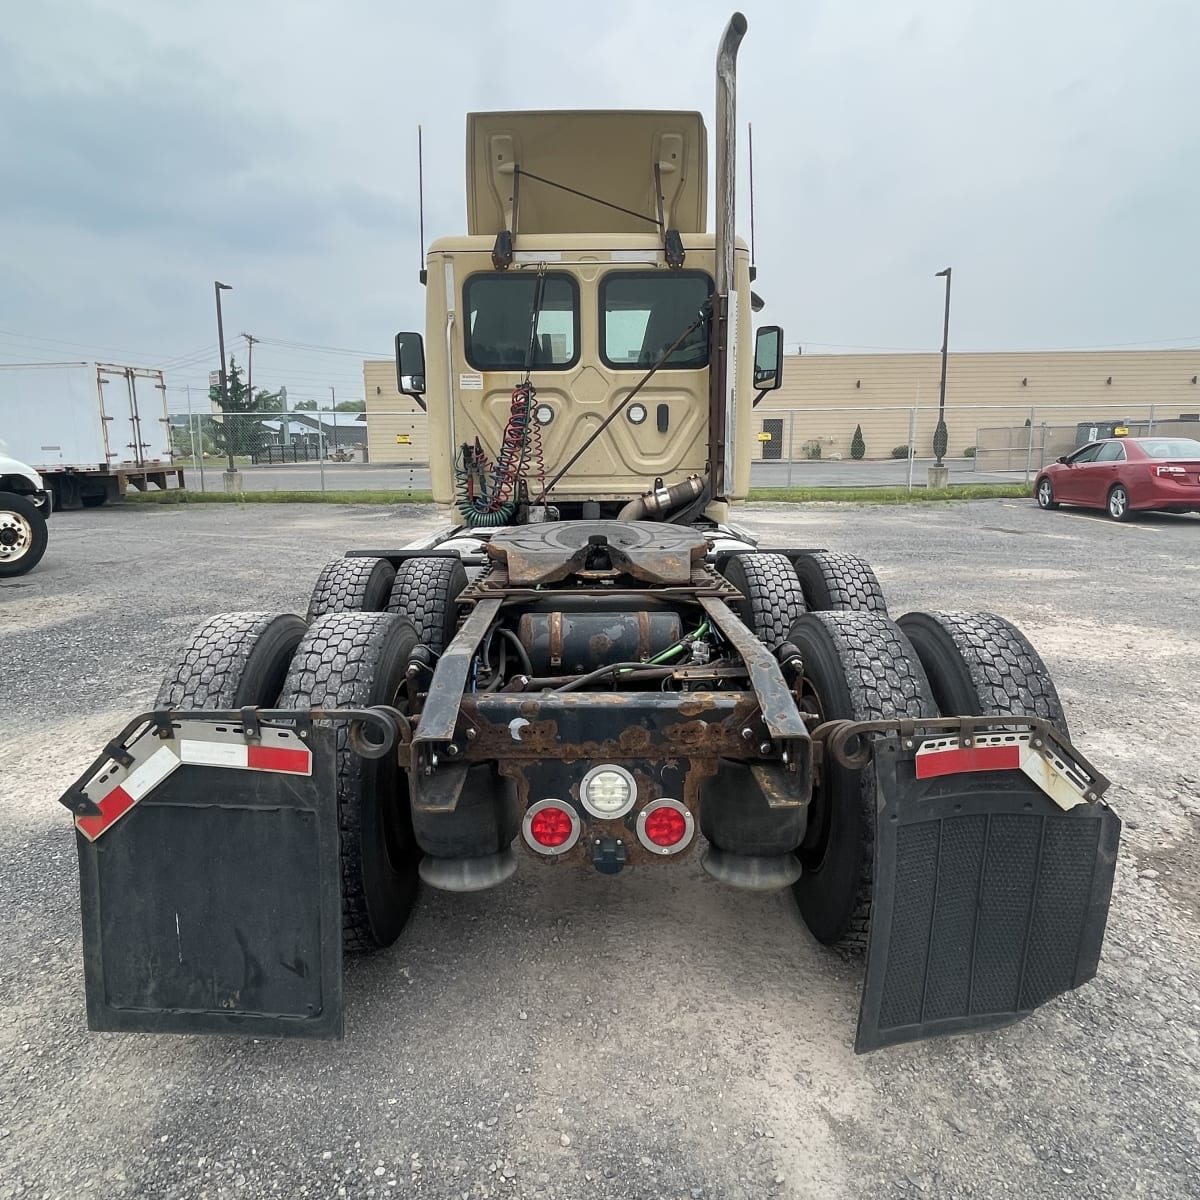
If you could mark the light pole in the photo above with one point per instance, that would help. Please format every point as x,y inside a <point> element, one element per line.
<point>939,434</point>
<point>218,288</point>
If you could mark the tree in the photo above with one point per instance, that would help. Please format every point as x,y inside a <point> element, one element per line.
<point>265,401</point>
<point>350,406</point>
<point>857,446</point>
<point>240,434</point>
<point>306,406</point>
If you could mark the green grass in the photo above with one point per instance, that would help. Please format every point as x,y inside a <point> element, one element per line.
<point>375,496</point>
<point>894,495</point>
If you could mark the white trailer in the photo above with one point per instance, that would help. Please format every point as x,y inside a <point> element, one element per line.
<point>91,429</point>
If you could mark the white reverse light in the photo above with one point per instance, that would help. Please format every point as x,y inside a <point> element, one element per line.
<point>608,792</point>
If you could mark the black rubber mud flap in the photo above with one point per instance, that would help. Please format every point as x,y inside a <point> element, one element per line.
<point>213,905</point>
<point>989,900</point>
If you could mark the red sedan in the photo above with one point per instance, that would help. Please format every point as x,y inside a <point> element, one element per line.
<point>1126,475</point>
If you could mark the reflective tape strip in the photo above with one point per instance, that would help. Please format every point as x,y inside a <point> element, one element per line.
<point>138,783</point>
<point>960,760</point>
<point>279,758</point>
<point>239,755</point>
<point>999,752</point>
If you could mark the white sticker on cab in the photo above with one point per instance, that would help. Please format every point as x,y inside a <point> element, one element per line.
<point>470,381</point>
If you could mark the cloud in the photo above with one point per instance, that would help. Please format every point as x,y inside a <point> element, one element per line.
<point>1049,153</point>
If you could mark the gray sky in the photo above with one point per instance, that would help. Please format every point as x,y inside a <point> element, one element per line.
<point>1049,151</point>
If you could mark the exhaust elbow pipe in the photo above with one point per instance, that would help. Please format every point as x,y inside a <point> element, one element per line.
<point>657,505</point>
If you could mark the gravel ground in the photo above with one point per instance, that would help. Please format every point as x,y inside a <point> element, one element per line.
<point>572,1035</point>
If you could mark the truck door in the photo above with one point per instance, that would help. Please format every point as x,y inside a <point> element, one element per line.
<point>134,410</point>
<point>119,403</point>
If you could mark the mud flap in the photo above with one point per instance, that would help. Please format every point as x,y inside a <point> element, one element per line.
<point>213,904</point>
<point>989,900</point>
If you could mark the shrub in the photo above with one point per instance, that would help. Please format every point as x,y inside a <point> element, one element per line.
<point>857,446</point>
<point>811,449</point>
<point>969,452</point>
<point>899,451</point>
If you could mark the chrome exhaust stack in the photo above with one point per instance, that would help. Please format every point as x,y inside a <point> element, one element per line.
<point>723,382</point>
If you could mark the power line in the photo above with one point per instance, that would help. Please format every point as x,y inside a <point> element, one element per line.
<point>322,349</point>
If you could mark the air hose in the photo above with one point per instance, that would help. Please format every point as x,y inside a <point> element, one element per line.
<point>487,492</point>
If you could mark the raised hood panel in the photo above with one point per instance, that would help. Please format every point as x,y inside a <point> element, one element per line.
<point>610,155</point>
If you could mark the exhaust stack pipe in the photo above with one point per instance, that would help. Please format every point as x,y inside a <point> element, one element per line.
<point>726,165</point>
<point>722,382</point>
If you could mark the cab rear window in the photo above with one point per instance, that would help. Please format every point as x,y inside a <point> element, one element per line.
<point>499,309</point>
<point>644,312</point>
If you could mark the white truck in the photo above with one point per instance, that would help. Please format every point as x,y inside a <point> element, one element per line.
<point>92,430</point>
<point>25,503</point>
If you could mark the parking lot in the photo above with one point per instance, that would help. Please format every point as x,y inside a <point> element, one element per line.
<point>652,1035</point>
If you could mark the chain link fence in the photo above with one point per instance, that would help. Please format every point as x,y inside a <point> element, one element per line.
<point>306,451</point>
<point>893,445</point>
<point>387,449</point>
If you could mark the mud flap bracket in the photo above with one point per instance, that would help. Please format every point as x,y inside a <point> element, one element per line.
<point>989,899</point>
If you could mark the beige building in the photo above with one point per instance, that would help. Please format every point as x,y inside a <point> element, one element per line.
<point>989,399</point>
<point>397,431</point>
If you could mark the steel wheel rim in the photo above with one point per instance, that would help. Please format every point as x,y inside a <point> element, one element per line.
<point>16,536</point>
<point>1044,492</point>
<point>1117,502</point>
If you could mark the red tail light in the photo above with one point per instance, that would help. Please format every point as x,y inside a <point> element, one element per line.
<point>1170,472</point>
<point>665,827</point>
<point>551,827</point>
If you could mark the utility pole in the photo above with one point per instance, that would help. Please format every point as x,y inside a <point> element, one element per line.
<point>218,288</point>
<point>333,405</point>
<point>250,366</point>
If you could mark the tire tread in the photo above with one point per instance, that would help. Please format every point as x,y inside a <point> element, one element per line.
<point>774,598</point>
<point>839,582</point>
<point>212,663</point>
<point>351,585</point>
<point>425,591</point>
<point>334,666</point>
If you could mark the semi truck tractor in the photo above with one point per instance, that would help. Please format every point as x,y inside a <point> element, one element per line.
<point>591,667</point>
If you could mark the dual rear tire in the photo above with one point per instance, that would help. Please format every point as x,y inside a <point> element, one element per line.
<point>343,659</point>
<point>860,666</point>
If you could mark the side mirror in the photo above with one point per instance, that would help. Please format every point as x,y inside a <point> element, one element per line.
<point>768,358</point>
<point>1062,458</point>
<point>410,365</point>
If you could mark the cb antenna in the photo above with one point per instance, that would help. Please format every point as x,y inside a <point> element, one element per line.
<point>423,274</point>
<point>753,256</point>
